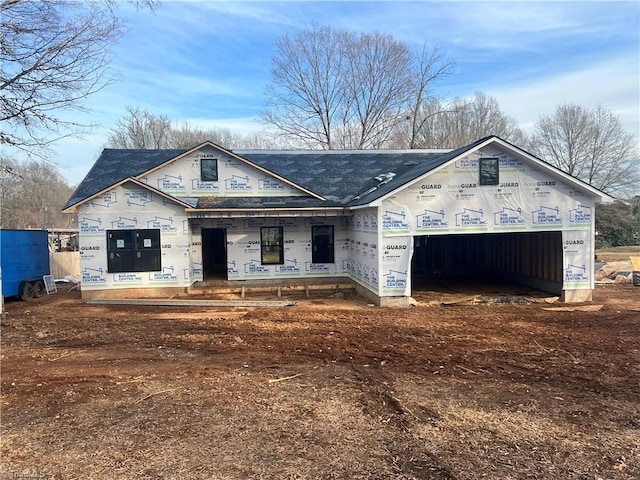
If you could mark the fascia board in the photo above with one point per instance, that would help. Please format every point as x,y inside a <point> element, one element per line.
<point>378,201</point>
<point>73,208</point>
<point>191,209</point>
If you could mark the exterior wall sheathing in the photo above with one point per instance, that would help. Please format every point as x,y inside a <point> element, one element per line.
<point>531,227</point>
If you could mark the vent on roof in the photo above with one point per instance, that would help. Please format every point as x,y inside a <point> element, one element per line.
<point>382,178</point>
<point>385,177</point>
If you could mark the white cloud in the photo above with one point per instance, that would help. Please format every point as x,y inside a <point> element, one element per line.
<point>237,125</point>
<point>613,85</point>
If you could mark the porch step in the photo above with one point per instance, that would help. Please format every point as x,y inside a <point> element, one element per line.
<point>279,289</point>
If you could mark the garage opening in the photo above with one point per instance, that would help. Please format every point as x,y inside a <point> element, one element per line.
<point>532,259</point>
<point>214,253</point>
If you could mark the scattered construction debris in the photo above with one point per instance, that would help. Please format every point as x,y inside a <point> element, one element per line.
<point>191,303</point>
<point>577,308</point>
<point>619,272</point>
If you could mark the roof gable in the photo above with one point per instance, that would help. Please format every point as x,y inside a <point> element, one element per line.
<point>422,170</point>
<point>138,183</point>
<point>113,165</point>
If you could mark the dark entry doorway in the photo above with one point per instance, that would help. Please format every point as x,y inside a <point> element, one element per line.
<point>214,253</point>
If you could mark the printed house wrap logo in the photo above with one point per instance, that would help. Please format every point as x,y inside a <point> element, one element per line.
<point>232,268</point>
<point>165,224</point>
<point>237,184</point>
<point>171,183</point>
<point>138,198</point>
<point>198,185</point>
<point>93,276</point>
<point>546,216</point>
<point>395,279</point>
<point>197,269</point>
<point>168,274</point>
<point>373,222</point>
<point>127,278</point>
<point>395,220</point>
<point>508,217</point>
<point>254,223</point>
<point>105,200</point>
<point>124,222</point>
<point>269,184</point>
<point>316,268</point>
<point>508,163</point>
<point>576,273</point>
<point>290,266</point>
<point>90,225</point>
<point>366,275</point>
<point>470,218</point>
<point>431,219</point>
<point>253,267</point>
<point>467,164</point>
<point>581,214</point>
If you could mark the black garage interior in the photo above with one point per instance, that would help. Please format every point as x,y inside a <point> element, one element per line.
<point>533,259</point>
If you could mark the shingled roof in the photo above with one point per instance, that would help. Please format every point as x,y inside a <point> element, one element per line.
<point>343,177</point>
<point>352,177</point>
<point>114,165</point>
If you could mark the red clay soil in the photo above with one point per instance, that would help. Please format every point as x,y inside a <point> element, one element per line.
<point>479,386</point>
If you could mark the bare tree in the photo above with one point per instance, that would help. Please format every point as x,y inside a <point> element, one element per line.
<point>32,195</point>
<point>334,89</point>
<point>430,66</point>
<point>591,145</point>
<point>463,121</point>
<point>141,129</point>
<point>54,54</point>
<point>308,89</point>
<point>379,87</point>
<point>188,136</point>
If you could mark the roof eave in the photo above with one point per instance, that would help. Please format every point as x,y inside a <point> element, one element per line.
<point>73,208</point>
<point>264,209</point>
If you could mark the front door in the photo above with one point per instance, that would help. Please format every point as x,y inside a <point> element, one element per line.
<point>214,253</point>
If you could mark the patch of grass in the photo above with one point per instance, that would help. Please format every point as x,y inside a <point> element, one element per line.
<point>617,254</point>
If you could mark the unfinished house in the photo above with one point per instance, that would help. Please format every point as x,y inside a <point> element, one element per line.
<point>160,222</point>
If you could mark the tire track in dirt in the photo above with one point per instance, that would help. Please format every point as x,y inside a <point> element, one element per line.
<point>407,455</point>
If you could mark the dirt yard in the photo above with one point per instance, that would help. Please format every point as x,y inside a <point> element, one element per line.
<point>479,386</point>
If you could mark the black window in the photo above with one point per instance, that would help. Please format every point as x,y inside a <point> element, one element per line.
<point>271,245</point>
<point>209,169</point>
<point>489,171</point>
<point>133,250</point>
<point>322,250</point>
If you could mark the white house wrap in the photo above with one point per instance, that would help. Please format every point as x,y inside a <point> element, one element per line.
<point>154,221</point>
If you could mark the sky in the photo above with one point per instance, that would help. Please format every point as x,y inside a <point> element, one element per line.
<point>207,62</point>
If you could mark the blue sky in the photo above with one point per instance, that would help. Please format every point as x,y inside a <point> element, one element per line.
<point>207,62</point>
